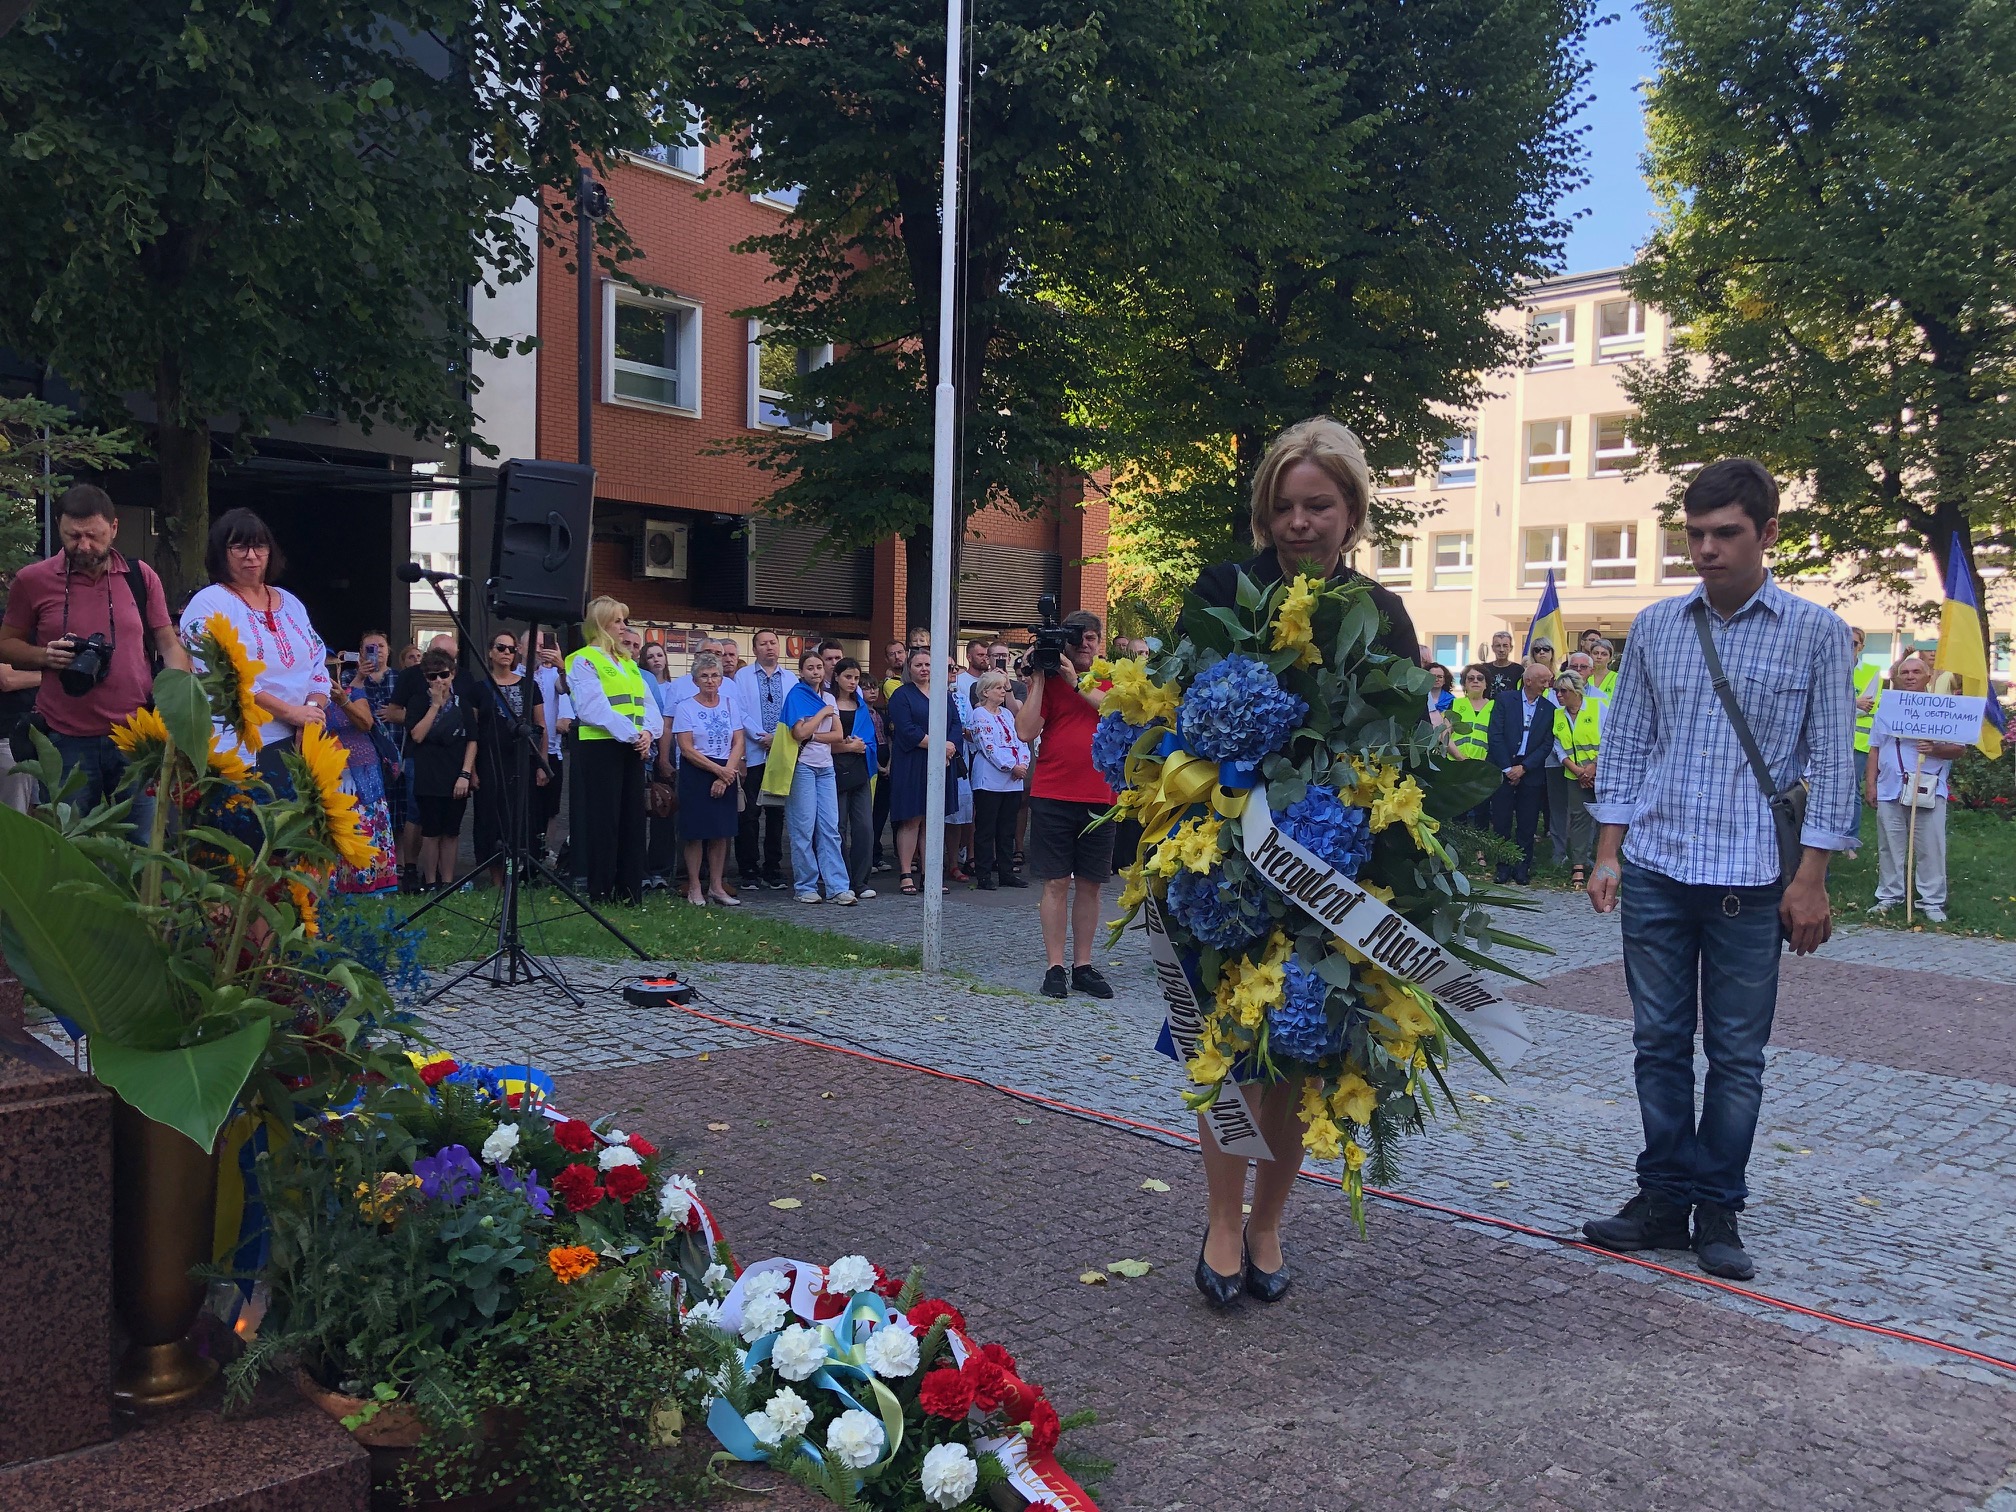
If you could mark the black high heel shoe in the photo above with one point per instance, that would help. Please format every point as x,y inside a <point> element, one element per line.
<point>1220,1291</point>
<point>1268,1286</point>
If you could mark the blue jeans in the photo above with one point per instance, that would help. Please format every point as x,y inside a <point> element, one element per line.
<point>103,768</point>
<point>1687,955</point>
<point>813,812</point>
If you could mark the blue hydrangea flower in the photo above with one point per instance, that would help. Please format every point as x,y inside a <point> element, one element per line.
<point>1297,1027</point>
<point>1213,914</point>
<point>1332,828</point>
<point>449,1176</point>
<point>1238,711</point>
<point>1111,742</point>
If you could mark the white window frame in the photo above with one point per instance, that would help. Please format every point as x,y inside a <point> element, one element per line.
<point>614,294</point>
<point>1610,462</point>
<point>1675,568</point>
<point>1629,558</point>
<point>1398,480</point>
<point>688,161</point>
<point>757,394</point>
<point>1467,570</point>
<point>1456,661</point>
<point>1555,353</point>
<point>1564,436</point>
<point>1533,572</point>
<point>1631,343</point>
<point>1460,472</point>
<point>1399,576</point>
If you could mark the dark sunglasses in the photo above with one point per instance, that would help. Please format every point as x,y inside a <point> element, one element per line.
<point>503,646</point>
<point>440,676</point>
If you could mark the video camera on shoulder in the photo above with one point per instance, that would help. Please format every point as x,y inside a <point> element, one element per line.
<point>91,661</point>
<point>1052,639</point>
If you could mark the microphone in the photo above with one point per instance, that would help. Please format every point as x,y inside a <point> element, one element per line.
<point>413,572</point>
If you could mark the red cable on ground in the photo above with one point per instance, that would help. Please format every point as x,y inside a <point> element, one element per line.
<point>1399,1198</point>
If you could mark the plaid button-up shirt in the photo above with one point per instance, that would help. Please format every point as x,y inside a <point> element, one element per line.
<point>1671,766</point>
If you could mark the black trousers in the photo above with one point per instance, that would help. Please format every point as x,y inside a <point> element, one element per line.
<point>609,778</point>
<point>756,857</point>
<point>1519,806</point>
<point>994,816</point>
<point>883,788</point>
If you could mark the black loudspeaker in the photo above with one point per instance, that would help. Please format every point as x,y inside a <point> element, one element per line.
<point>539,551</point>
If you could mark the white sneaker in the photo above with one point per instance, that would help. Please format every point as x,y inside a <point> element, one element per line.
<point>845,900</point>
<point>865,894</point>
<point>1877,910</point>
<point>1934,915</point>
<point>810,898</point>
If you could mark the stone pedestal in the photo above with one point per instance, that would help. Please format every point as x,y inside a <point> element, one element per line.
<point>13,1001</point>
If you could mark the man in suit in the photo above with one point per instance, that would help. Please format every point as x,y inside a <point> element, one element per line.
<point>1517,742</point>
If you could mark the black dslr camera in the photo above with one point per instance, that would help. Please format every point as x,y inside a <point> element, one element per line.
<point>91,661</point>
<point>1052,639</point>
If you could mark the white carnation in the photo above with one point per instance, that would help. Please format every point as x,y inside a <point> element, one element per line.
<point>769,1283</point>
<point>798,1353</point>
<point>762,1315</point>
<point>502,1141</point>
<point>892,1353</point>
<point>789,1411</point>
<point>675,1199</point>
<point>856,1438</point>
<point>765,1428</point>
<point>717,1280</point>
<point>949,1475</point>
<point>850,1274</point>
<point>613,1156</point>
<point>708,1312</point>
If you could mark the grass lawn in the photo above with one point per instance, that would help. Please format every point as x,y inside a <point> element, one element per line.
<point>671,932</point>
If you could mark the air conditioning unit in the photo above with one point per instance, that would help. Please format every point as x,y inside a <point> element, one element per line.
<point>661,550</point>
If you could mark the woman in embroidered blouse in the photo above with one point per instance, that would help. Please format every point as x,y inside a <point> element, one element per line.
<point>293,689</point>
<point>1000,764</point>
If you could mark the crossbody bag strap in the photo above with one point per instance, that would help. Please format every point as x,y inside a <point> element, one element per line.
<point>1698,611</point>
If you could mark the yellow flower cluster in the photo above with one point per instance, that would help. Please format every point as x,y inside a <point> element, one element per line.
<point>1195,845</point>
<point>1213,1062</point>
<point>1397,1003</point>
<point>1292,627</point>
<point>1247,988</point>
<point>1133,695</point>
<point>383,1201</point>
<point>1394,797</point>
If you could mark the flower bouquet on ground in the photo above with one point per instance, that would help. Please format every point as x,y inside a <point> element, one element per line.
<point>853,1383</point>
<point>1307,919</point>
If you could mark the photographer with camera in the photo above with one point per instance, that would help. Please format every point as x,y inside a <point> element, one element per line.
<point>96,621</point>
<point>1069,853</point>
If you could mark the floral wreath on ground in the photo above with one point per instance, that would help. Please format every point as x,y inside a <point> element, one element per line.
<point>1289,695</point>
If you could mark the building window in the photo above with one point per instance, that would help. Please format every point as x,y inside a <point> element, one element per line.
<point>774,368</point>
<point>423,509</point>
<point>1546,450</point>
<point>1396,564</point>
<point>1553,338</point>
<point>1452,651</point>
<point>1453,561</point>
<point>1615,450</point>
<point>652,347</point>
<point>1620,330</point>
<point>679,145</point>
<point>1397,480</point>
<point>1613,553</point>
<point>781,199</point>
<point>1459,462</point>
<point>1546,550</point>
<point>1675,565</point>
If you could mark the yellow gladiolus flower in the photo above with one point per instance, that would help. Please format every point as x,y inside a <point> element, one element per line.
<point>1354,1100</point>
<point>1354,1157</point>
<point>1322,1139</point>
<point>1399,803</point>
<point>1292,627</point>
<point>1210,1064</point>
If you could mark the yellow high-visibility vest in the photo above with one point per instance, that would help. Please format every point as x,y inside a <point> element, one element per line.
<point>1868,681</point>
<point>622,684</point>
<point>1580,733</point>
<point>1468,723</point>
<point>1605,685</point>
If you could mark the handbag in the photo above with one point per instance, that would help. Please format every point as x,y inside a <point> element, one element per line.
<point>661,800</point>
<point>1920,789</point>
<point>1788,804</point>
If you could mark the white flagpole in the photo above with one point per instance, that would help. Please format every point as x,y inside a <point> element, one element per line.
<point>944,417</point>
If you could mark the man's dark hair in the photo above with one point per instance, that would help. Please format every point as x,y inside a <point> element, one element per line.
<point>1085,619</point>
<point>240,527</point>
<point>1734,480</point>
<point>830,644</point>
<point>80,501</point>
<point>435,662</point>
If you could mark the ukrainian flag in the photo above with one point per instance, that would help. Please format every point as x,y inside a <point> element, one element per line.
<point>1961,650</point>
<point>1547,624</point>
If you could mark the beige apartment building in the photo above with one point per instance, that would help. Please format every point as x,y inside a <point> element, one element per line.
<point>1537,483</point>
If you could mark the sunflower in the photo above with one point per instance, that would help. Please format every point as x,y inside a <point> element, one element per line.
<point>334,812</point>
<point>142,737</point>
<point>228,677</point>
<point>303,899</point>
<point>225,762</point>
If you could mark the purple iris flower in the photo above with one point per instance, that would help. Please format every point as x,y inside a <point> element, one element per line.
<point>449,1176</point>
<point>526,1186</point>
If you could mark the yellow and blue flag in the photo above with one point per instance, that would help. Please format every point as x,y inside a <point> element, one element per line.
<point>1547,624</point>
<point>1962,650</point>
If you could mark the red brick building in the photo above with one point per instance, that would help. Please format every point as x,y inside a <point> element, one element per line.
<point>679,535</point>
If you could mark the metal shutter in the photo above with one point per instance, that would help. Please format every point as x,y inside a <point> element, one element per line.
<point>999,585</point>
<point>788,568</point>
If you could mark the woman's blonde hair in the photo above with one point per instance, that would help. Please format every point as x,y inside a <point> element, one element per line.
<point>599,623</point>
<point>1331,447</point>
<point>987,682</point>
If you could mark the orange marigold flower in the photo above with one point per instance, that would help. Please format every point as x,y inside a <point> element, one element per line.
<point>570,1262</point>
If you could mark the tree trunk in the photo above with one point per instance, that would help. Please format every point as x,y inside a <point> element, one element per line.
<point>184,513</point>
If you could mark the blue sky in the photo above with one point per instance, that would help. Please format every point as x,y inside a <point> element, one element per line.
<point>1617,208</point>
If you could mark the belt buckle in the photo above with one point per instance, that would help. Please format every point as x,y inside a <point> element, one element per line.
<point>1731,905</point>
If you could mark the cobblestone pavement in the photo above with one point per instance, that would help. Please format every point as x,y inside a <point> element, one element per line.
<point>1884,1184</point>
<point>1426,1367</point>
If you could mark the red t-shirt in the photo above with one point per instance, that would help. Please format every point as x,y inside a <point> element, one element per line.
<point>1064,767</point>
<point>104,605</point>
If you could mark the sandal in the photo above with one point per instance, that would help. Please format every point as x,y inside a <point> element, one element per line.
<point>909,887</point>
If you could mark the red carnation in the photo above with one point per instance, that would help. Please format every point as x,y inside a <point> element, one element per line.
<point>577,1187</point>
<point>947,1394</point>
<point>887,1287</point>
<point>999,1356</point>
<point>642,1146</point>
<point>575,1137</point>
<point>1043,1427</point>
<point>624,1182</point>
<point>927,1312</point>
<point>990,1382</point>
<point>437,1072</point>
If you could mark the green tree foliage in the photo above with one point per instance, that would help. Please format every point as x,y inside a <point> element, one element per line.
<point>261,210</point>
<point>41,445</point>
<point>1839,197</point>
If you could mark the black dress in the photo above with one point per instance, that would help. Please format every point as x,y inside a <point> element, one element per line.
<point>1218,586</point>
